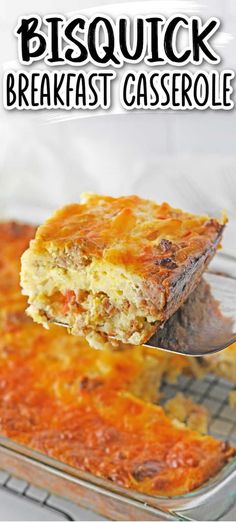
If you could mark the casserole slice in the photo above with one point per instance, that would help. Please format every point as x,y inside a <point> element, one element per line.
<point>116,267</point>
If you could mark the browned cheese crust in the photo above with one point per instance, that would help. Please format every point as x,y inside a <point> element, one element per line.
<point>120,266</point>
<point>80,406</point>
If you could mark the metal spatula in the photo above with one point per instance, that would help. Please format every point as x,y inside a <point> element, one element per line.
<point>206,323</point>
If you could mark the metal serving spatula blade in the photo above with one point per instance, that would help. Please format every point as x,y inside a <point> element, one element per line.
<point>206,322</point>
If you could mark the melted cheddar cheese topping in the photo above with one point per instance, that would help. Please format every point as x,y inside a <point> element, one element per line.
<point>77,405</point>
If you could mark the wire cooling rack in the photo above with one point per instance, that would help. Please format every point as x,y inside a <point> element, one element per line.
<point>211,392</point>
<point>44,506</point>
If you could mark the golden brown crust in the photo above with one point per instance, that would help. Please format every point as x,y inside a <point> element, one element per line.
<point>153,241</point>
<point>164,248</point>
<point>76,404</point>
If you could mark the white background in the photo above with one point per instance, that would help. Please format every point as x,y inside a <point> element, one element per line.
<point>188,158</point>
<point>185,158</point>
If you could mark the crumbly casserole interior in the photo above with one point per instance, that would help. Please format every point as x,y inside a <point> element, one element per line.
<point>116,267</point>
<point>92,409</point>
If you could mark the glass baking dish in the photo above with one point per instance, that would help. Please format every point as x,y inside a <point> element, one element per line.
<point>209,502</point>
<point>212,500</point>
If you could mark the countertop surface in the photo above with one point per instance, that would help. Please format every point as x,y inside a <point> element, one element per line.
<point>17,507</point>
<point>20,501</point>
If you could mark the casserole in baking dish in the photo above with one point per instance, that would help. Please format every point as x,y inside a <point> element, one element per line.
<point>85,408</point>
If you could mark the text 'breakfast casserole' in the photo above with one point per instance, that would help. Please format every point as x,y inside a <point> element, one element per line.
<point>116,267</point>
<point>88,408</point>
